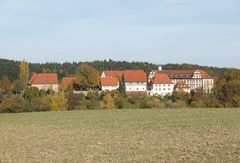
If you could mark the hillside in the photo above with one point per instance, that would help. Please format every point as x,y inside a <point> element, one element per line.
<point>10,67</point>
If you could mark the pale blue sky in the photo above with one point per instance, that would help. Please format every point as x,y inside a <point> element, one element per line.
<point>205,32</point>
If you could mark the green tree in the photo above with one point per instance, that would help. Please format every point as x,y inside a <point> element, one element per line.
<point>88,77</point>
<point>23,74</point>
<point>31,93</point>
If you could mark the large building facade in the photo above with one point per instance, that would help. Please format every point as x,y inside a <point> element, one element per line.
<point>194,79</point>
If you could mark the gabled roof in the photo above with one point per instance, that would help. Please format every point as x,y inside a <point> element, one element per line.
<point>68,80</point>
<point>135,76</point>
<point>110,81</point>
<point>205,74</point>
<point>44,78</point>
<point>117,74</point>
<point>183,74</point>
<point>162,79</point>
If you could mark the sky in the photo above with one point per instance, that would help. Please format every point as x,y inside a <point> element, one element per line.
<point>205,32</point>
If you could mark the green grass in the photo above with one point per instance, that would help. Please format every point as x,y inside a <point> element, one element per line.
<point>172,135</point>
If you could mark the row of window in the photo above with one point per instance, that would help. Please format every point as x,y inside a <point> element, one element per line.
<point>137,89</point>
<point>164,89</point>
<point>163,85</point>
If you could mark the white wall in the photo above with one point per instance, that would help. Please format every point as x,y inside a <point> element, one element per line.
<point>109,88</point>
<point>208,85</point>
<point>135,87</point>
<point>46,87</point>
<point>162,89</point>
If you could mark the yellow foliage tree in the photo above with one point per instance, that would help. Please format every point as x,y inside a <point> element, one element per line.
<point>23,74</point>
<point>58,102</point>
<point>108,102</point>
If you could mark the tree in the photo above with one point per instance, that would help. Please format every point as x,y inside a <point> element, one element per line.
<point>227,89</point>
<point>12,104</point>
<point>73,100</point>
<point>23,74</point>
<point>5,85</point>
<point>88,77</point>
<point>108,102</point>
<point>58,102</point>
<point>31,93</point>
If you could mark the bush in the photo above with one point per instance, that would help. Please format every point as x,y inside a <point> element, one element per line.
<point>39,104</point>
<point>31,93</point>
<point>91,96</point>
<point>151,102</point>
<point>93,104</point>
<point>155,103</point>
<point>12,104</point>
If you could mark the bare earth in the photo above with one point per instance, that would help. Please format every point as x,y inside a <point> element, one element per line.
<point>167,135</point>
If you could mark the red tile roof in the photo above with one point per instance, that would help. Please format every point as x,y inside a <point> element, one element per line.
<point>68,80</point>
<point>162,79</point>
<point>184,73</point>
<point>135,76</point>
<point>205,74</point>
<point>110,81</point>
<point>44,78</point>
<point>117,74</point>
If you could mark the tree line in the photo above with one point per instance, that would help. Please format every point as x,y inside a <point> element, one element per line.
<point>11,67</point>
<point>16,96</point>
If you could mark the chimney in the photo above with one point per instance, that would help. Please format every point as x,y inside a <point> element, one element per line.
<point>160,68</point>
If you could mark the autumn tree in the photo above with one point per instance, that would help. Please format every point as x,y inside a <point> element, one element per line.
<point>227,89</point>
<point>58,102</point>
<point>108,102</point>
<point>23,74</point>
<point>12,104</point>
<point>88,77</point>
<point>5,85</point>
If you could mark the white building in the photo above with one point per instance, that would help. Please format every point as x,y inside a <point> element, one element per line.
<point>135,82</point>
<point>161,85</point>
<point>195,79</point>
<point>109,83</point>
<point>44,81</point>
